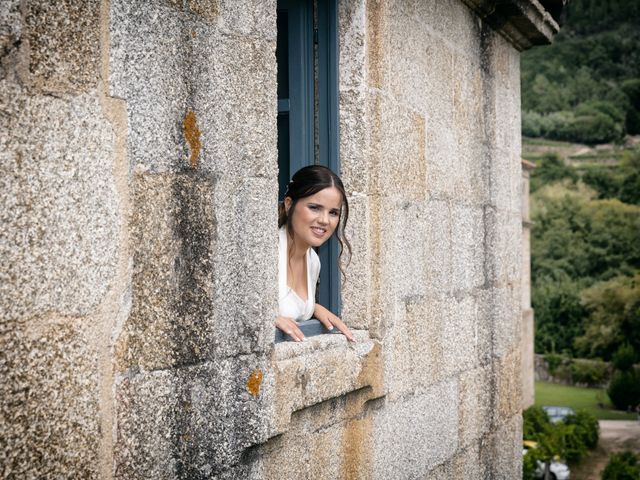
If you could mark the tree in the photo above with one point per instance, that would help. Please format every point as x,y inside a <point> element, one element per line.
<point>581,242</point>
<point>594,58</point>
<point>613,323</point>
<point>631,88</point>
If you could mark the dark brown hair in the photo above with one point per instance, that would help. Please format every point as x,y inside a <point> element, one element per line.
<point>306,182</point>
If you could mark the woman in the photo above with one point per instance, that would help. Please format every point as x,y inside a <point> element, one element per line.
<point>315,206</point>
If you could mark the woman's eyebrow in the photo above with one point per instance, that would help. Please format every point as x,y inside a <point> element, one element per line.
<point>323,206</point>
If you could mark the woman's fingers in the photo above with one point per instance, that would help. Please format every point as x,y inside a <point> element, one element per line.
<point>326,322</point>
<point>290,327</point>
<point>340,325</point>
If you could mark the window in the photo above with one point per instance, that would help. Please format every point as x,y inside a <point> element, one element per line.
<point>307,55</point>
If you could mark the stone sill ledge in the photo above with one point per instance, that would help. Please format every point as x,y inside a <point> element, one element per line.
<point>321,368</point>
<point>290,349</point>
<point>524,23</point>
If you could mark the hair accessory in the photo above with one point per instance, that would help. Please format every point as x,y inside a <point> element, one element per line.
<point>286,192</point>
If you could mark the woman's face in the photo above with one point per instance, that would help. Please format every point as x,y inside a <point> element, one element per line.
<point>315,217</point>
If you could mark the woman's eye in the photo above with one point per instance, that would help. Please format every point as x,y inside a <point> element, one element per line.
<point>313,207</point>
<point>333,213</point>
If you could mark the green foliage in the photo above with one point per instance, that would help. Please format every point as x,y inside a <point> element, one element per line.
<point>604,180</point>
<point>631,88</point>
<point>629,191</point>
<point>534,423</point>
<point>622,466</point>
<point>579,242</point>
<point>529,464</point>
<point>585,427</point>
<point>589,16</point>
<point>591,126</point>
<point>614,318</point>
<point>550,168</point>
<point>586,125</point>
<point>554,360</point>
<point>589,76</point>
<point>574,444</point>
<point>625,357</point>
<point>589,372</point>
<point>569,440</point>
<point>559,315</point>
<point>622,182</point>
<point>624,389</point>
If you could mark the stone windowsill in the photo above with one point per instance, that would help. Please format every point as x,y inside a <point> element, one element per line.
<point>323,367</point>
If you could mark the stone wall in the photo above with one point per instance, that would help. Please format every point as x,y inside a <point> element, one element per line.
<point>138,241</point>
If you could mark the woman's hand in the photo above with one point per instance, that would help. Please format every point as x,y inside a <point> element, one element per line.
<point>290,327</point>
<point>329,320</point>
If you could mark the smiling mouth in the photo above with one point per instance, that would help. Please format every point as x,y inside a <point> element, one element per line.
<point>318,231</point>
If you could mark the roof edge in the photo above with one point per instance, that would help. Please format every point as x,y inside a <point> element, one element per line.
<point>524,23</point>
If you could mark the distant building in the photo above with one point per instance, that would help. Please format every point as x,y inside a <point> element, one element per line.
<point>141,145</point>
<point>528,330</point>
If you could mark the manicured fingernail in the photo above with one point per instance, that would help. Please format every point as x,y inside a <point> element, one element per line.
<point>330,328</point>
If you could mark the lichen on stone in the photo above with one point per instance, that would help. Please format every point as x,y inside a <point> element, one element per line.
<point>192,135</point>
<point>254,381</point>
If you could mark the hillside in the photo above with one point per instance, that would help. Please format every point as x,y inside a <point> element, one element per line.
<point>585,88</point>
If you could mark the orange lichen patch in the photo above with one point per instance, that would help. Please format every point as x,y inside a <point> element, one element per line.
<point>358,432</point>
<point>254,382</point>
<point>372,372</point>
<point>377,31</point>
<point>192,135</point>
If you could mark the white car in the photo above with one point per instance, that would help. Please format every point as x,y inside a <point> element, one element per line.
<point>558,414</point>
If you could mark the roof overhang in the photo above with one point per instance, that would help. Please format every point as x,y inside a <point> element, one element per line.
<point>524,23</point>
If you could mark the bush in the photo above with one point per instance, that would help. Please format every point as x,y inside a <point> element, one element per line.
<point>624,389</point>
<point>591,128</point>
<point>600,106</point>
<point>574,446</point>
<point>622,466</point>
<point>529,464</point>
<point>531,124</point>
<point>589,372</point>
<point>534,423</point>
<point>586,427</point>
<point>569,439</point>
<point>554,360</point>
<point>560,365</point>
<point>624,358</point>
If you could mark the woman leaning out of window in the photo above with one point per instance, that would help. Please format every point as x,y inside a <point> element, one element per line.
<point>314,208</point>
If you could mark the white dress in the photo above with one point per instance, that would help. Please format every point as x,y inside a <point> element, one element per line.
<point>289,303</point>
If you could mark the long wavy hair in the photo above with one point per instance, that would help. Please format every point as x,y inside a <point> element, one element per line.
<point>306,182</point>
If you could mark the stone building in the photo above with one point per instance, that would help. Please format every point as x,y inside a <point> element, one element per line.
<point>139,148</point>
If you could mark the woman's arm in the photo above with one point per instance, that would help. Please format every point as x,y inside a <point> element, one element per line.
<point>329,320</point>
<point>290,327</point>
